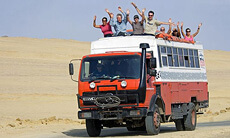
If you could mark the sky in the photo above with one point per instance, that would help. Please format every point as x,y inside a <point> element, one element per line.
<point>73,19</point>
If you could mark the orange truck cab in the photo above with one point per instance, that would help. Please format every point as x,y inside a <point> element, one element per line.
<point>139,82</point>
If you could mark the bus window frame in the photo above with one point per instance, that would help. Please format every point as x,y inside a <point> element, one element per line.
<point>161,55</point>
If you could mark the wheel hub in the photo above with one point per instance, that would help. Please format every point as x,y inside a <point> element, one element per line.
<point>156,119</point>
<point>193,117</point>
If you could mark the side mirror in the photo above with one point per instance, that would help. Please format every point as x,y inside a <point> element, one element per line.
<point>153,62</point>
<point>152,72</point>
<point>71,69</point>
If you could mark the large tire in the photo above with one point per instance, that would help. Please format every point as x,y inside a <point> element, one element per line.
<point>179,124</point>
<point>190,119</point>
<point>93,127</point>
<point>152,121</point>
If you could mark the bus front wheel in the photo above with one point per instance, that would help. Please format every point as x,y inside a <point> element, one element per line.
<point>93,127</point>
<point>152,121</point>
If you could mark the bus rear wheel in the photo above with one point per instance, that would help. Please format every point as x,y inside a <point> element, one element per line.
<point>93,127</point>
<point>152,122</point>
<point>191,118</point>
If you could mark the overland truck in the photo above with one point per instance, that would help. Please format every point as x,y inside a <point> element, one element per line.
<point>139,82</point>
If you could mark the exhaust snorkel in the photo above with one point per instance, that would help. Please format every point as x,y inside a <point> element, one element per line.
<point>142,85</point>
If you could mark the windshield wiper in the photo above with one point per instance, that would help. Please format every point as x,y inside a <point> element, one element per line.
<point>97,78</point>
<point>119,77</point>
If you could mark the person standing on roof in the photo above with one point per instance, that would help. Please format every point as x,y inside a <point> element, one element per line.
<point>150,23</point>
<point>137,25</point>
<point>188,35</point>
<point>119,25</point>
<point>105,27</point>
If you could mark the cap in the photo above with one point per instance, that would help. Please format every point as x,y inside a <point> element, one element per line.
<point>136,16</point>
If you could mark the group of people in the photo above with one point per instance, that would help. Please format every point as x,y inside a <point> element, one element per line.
<point>150,28</point>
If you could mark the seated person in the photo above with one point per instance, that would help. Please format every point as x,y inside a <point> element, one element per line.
<point>137,25</point>
<point>176,32</point>
<point>119,25</point>
<point>99,71</point>
<point>188,35</point>
<point>105,27</point>
<point>162,29</point>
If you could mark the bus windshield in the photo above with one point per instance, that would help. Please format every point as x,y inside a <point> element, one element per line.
<point>110,67</point>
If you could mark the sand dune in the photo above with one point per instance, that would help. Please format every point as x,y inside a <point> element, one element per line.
<point>35,85</point>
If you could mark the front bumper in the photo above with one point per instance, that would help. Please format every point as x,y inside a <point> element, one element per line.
<point>113,114</point>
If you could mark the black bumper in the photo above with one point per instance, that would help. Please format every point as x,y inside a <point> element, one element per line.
<point>113,114</point>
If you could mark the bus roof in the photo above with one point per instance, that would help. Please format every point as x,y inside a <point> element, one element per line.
<point>131,44</point>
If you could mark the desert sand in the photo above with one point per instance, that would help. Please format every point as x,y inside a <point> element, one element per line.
<point>38,98</point>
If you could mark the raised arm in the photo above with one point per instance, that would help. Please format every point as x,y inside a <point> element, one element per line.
<point>94,23</point>
<point>167,23</point>
<point>198,30</point>
<point>170,26</point>
<point>128,17</point>
<point>178,29</point>
<point>106,10</point>
<point>135,6</point>
<point>124,14</point>
<point>183,34</point>
<point>112,22</point>
<point>143,16</point>
<point>119,8</point>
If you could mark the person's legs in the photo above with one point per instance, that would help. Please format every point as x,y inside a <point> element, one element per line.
<point>108,35</point>
<point>121,34</point>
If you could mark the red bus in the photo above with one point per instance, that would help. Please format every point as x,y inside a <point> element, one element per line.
<point>139,82</point>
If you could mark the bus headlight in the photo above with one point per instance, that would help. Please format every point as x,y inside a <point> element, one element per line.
<point>123,84</point>
<point>92,85</point>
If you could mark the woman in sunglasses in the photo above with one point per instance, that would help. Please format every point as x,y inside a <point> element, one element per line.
<point>105,27</point>
<point>188,36</point>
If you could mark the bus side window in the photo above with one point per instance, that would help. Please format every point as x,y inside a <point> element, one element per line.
<point>191,58</point>
<point>159,56</point>
<point>175,57</point>
<point>186,60</point>
<point>181,58</point>
<point>164,59</point>
<point>163,49</point>
<point>196,59</point>
<point>170,58</point>
<point>164,55</point>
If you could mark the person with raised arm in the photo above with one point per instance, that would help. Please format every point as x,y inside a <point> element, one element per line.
<point>119,25</point>
<point>137,25</point>
<point>162,29</point>
<point>176,31</point>
<point>150,23</point>
<point>105,27</point>
<point>188,35</point>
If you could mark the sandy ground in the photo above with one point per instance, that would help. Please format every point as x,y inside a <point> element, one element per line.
<point>37,97</point>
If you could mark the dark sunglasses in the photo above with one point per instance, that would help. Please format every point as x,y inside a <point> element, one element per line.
<point>150,14</point>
